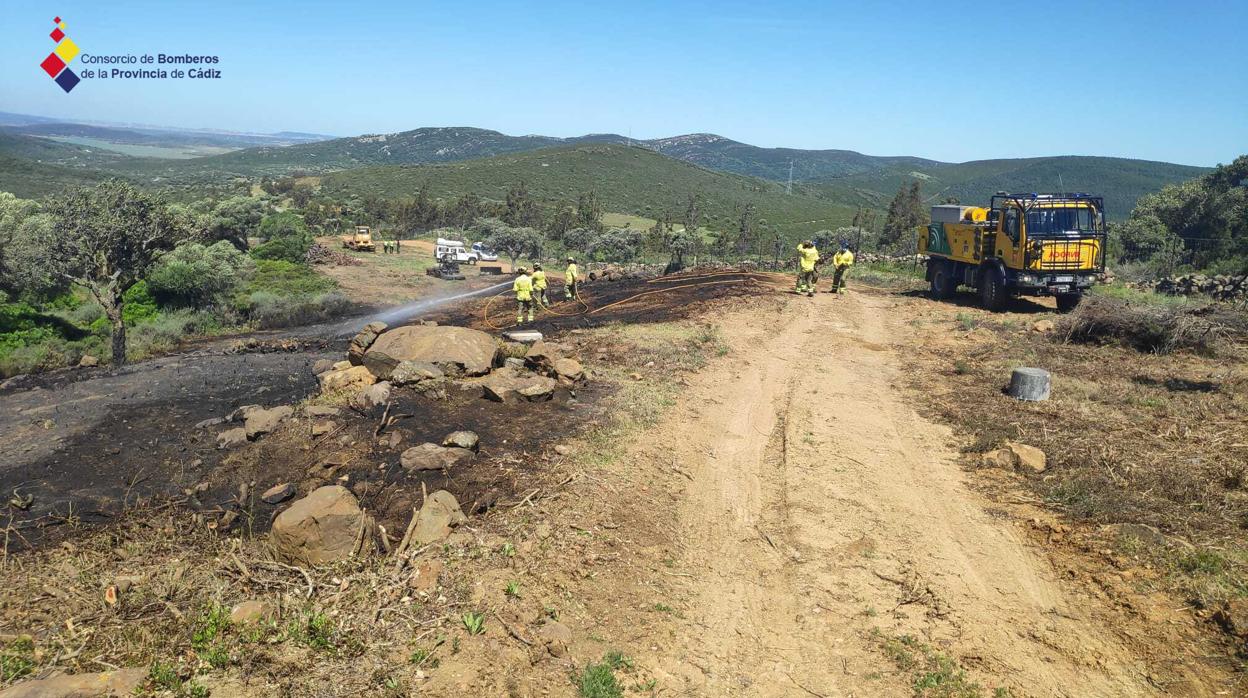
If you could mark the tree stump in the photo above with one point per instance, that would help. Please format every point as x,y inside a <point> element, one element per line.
<point>1029,384</point>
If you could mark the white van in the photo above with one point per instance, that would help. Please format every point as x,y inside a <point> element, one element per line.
<point>455,250</point>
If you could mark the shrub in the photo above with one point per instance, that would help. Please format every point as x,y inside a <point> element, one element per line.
<point>290,249</point>
<point>269,310</point>
<point>196,276</point>
<point>282,277</point>
<point>1151,328</point>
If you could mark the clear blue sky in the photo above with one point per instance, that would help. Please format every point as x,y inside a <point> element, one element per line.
<point>1152,79</point>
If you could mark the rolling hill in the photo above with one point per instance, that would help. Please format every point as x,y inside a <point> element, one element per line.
<point>627,180</point>
<point>31,180</point>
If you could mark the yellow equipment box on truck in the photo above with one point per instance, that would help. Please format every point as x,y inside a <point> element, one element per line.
<point>1022,244</point>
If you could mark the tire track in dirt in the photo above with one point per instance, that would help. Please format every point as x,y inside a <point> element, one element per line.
<point>826,515</point>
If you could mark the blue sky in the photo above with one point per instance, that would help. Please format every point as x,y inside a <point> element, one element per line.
<point>951,81</point>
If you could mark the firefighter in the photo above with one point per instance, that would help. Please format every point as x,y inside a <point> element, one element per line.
<point>539,286</point>
<point>808,257</point>
<point>841,262</point>
<point>523,286</point>
<point>570,280</point>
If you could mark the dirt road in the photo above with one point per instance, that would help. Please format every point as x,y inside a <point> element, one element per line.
<point>827,520</point>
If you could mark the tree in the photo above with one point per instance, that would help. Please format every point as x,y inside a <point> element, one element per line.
<point>235,219</point>
<point>562,219</point>
<point>579,239</point>
<point>693,214</point>
<point>285,237</point>
<point>522,209</point>
<point>680,243</point>
<point>745,233</point>
<point>106,239</point>
<point>514,242</point>
<point>905,213</point>
<point>616,245</point>
<point>466,209</point>
<point>193,275</point>
<point>22,222</point>
<point>589,211</point>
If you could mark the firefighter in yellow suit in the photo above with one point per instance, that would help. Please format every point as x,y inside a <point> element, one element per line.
<point>841,262</point>
<point>523,286</point>
<point>570,280</point>
<point>539,286</point>
<point>807,257</point>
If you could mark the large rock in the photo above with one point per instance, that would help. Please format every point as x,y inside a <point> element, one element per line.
<point>436,518</point>
<point>542,356</point>
<point>430,456</point>
<point>1016,456</point>
<point>264,421</point>
<point>345,378</point>
<point>362,341</point>
<point>413,372</point>
<point>371,399</point>
<point>510,386</point>
<point>122,682</point>
<point>320,528</point>
<point>569,369</point>
<point>456,350</point>
<point>231,438</point>
<point>463,439</point>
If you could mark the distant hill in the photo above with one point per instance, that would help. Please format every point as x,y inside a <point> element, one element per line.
<point>50,152</point>
<point>1121,181</point>
<point>627,180</point>
<point>719,153</point>
<point>32,180</point>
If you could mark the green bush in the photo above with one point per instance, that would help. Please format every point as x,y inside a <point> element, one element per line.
<point>269,310</point>
<point>196,276</point>
<point>282,278</point>
<point>285,237</point>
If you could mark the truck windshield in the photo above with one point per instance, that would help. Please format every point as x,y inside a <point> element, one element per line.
<point>1060,221</point>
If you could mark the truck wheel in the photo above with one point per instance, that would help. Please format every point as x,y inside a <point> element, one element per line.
<point>992,293</point>
<point>943,285</point>
<point>1066,302</point>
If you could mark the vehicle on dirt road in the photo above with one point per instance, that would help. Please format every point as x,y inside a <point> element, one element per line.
<point>455,251</point>
<point>1021,245</point>
<point>361,240</point>
<point>484,253</point>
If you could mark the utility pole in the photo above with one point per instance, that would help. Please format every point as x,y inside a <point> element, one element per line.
<point>788,188</point>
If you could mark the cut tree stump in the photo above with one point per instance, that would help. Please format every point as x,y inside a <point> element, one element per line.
<point>1029,384</point>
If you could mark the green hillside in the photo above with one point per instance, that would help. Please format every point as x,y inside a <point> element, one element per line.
<point>1121,181</point>
<point>627,180</point>
<point>719,153</point>
<point>50,152</point>
<point>28,179</point>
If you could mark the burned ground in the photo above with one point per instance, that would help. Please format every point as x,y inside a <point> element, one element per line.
<point>85,444</point>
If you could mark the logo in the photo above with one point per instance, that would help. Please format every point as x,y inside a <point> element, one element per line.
<point>56,65</point>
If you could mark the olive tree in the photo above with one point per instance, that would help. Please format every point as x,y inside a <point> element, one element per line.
<point>513,242</point>
<point>106,239</point>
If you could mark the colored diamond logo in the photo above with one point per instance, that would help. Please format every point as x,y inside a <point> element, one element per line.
<point>67,79</point>
<point>52,65</point>
<point>57,34</point>
<point>67,50</point>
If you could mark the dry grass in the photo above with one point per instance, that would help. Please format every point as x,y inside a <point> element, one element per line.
<point>1158,439</point>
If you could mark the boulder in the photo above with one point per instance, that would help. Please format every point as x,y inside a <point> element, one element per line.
<point>210,422</point>
<point>436,518</point>
<point>371,399</point>
<point>570,369</point>
<point>413,372</point>
<point>88,361</point>
<point>231,438</point>
<point>1042,326</point>
<point>261,422</point>
<point>249,612</point>
<point>320,528</point>
<point>463,439</point>
<point>363,340</point>
<point>456,350</point>
<point>321,411</point>
<point>123,682</point>
<point>322,366</point>
<point>523,336</point>
<point>350,377</point>
<point>513,363</point>
<point>240,414</point>
<point>509,386</point>
<point>430,456</point>
<point>323,428</point>
<point>1016,456</point>
<point>278,493</point>
<point>542,357</point>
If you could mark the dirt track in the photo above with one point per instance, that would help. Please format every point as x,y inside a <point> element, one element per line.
<point>822,506</point>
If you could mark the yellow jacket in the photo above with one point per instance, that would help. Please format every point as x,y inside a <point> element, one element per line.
<point>523,286</point>
<point>539,279</point>
<point>843,259</point>
<point>570,275</point>
<point>809,256</point>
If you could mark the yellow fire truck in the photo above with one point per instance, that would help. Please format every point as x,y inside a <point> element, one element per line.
<point>1022,244</point>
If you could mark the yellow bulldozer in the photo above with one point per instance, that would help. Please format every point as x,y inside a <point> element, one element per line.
<point>1022,244</point>
<point>361,240</point>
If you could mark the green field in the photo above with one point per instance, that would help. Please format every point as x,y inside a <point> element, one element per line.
<point>149,151</point>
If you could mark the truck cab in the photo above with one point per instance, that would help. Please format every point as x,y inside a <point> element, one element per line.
<point>1022,244</point>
